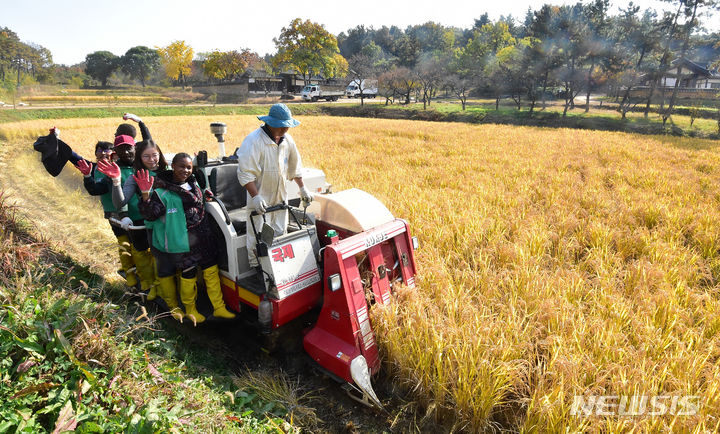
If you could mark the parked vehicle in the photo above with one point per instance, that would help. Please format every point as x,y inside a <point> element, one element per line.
<point>364,88</point>
<point>314,92</point>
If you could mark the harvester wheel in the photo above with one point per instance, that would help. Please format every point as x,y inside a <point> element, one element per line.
<point>285,340</point>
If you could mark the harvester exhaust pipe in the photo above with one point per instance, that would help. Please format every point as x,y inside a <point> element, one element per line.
<point>219,129</point>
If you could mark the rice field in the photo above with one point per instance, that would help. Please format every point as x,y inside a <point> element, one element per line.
<point>96,99</point>
<point>554,263</point>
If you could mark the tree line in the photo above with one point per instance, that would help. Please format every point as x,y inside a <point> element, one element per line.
<point>557,51</point>
<point>554,52</point>
<point>19,58</point>
<point>303,47</point>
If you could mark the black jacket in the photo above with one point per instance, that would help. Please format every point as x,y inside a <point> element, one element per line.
<point>55,153</point>
<point>97,187</point>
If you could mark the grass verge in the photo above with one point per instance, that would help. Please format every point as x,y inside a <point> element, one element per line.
<point>76,353</point>
<point>9,115</point>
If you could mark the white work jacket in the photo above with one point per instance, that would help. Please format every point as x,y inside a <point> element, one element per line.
<point>261,160</point>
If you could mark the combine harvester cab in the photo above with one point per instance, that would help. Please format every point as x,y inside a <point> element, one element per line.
<point>340,256</point>
<point>291,284</point>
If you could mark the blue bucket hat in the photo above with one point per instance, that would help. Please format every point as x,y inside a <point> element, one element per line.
<point>279,117</point>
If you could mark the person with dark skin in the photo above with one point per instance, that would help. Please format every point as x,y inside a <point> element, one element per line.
<point>56,153</point>
<point>126,156</point>
<point>125,191</point>
<point>120,173</point>
<point>182,238</point>
<point>98,184</point>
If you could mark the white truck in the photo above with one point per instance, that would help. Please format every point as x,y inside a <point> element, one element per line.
<point>367,87</point>
<point>314,92</point>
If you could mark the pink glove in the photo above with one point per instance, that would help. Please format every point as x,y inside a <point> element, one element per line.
<point>84,167</point>
<point>110,169</point>
<point>144,180</point>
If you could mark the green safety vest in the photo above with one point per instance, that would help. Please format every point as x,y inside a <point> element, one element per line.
<point>170,233</point>
<point>133,211</point>
<point>106,199</point>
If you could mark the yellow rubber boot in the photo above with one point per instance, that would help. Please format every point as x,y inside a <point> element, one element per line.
<point>214,291</point>
<point>188,295</point>
<point>168,292</point>
<point>145,270</point>
<point>153,293</point>
<point>126,261</point>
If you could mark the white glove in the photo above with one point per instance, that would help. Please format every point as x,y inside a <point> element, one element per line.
<point>125,223</point>
<point>131,116</point>
<point>56,131</point>
<point>306,196</point>
<point>259,204</point>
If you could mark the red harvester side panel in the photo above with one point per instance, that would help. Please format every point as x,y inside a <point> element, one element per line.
<point>343,330</point>
<point>291,307</point>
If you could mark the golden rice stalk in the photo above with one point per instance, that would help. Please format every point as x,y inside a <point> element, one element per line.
<point>554,262</point>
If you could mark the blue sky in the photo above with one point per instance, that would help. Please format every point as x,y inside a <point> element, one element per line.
<point>72,29</point>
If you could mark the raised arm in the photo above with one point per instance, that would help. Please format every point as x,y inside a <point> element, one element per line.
<point>144,131</point>
<point>150,206</point>
<point>93,186</point>
<point>121,194</point>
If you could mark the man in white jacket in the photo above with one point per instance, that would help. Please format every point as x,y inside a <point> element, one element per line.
<point>267,157</point>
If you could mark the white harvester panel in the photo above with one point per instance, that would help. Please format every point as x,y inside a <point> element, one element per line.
<point>352,209</point>
<point>291,263</point>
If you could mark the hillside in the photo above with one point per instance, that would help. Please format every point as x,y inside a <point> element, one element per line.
<point>80,353</point>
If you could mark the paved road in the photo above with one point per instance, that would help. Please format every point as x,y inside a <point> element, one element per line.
<point>130,104</point>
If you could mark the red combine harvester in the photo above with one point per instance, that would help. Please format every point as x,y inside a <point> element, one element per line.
<point>339,256</point>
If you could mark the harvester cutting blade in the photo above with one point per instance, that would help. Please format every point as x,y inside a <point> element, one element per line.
<point>361,376</point>
<point>358,395</point>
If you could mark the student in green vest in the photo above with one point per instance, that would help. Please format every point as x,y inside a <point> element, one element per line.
<point>121,174</point>
<point>98,184</point>
<point>182,238</point>
<point>148,156</point>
